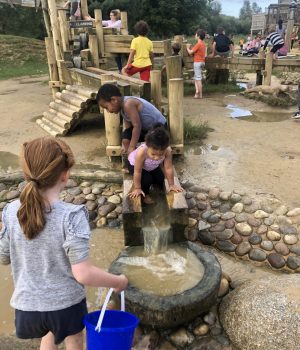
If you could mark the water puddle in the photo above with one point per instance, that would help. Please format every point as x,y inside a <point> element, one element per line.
<point>197,150</point>
<point>169,273</point>
<point>8,162</point>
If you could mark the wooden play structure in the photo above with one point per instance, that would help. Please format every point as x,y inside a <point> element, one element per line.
<point>80,56</point>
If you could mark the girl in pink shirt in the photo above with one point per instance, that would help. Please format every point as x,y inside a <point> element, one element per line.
<point>145,164</point>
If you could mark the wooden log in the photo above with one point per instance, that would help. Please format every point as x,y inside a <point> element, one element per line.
<point>54,126</point>
<point>77,102</point>
<point>56,120</point>
<point>46,18</point>
<point>176,110</point>
<point>68,105</point>
<point>124,20</point>
<point>64,30</point>
<point>93,46</point>
<point>52,66</point>
<point>167,48</point>
<point>155,79</point>
<point>113,151</point>
<point>99,32</point>
<point>62,116</point>
<point>82,91</point>
<point>47,128</point>
<point>288,34</point>
<point>112,121</point>
<point>174,67</point>
<point>77,96</point>
<point>55,29</point>
<point>268,68</point>
<point>62,109</point>
<point>84,9</point>
<point>118,39</point>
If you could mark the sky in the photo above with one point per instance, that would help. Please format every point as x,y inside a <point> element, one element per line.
<point>232,7</point>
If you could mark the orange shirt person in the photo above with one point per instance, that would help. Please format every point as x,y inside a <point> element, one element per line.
<point>199,53</point>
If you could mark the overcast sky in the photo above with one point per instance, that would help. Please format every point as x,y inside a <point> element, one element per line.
<point>232,7</point>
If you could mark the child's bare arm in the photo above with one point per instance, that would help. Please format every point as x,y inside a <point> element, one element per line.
<point>130,58</point>
<point>168,167</point>
<point>189,50</point>
<point>137,176</point>
<point>88,274</point>
<point>131,109</point>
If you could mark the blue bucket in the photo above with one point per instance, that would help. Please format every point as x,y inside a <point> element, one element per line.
<point>116,332</point>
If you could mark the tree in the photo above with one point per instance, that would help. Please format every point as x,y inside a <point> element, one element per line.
<point>256,8</point>
<point>246,10</point>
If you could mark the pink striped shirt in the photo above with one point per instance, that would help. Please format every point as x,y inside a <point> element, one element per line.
<point>149,164</point>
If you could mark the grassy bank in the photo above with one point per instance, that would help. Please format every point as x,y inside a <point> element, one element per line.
<point>21,56</point>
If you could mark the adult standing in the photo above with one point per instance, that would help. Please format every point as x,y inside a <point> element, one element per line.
<point>115,22</point>
<point>280,28</point>
<point>222,45</point>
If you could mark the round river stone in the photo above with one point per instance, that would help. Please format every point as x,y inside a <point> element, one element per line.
<point>290,239</point>
<point>243,228</point>
<point>281,248</point>
<point>267,245</point>
<point>255,239</point>
<point>243,248</point>
<point>293,262</point>
<point>257,254</point>
<point>276,260</point>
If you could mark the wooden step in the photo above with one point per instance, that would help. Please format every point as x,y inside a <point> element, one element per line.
<point>56,120</point>
<point>48,128</point>
<point>68,105</point>
<point>82,91</point>
<point>60,108</point>
<point>72,100</point>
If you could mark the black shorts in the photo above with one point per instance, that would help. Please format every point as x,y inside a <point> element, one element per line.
<point>275,48</point>
<point>62,323</point>
<point>127,133</point>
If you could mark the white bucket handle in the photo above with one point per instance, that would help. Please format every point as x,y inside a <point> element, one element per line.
<point>100,320</point>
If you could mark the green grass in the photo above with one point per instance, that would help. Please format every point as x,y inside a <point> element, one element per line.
<point>195,132</point>
<point>21,56</point>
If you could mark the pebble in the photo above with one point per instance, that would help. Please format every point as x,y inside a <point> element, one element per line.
<point>274,227</point>
<point>99,185</point>
<point>262,229</point>
<point>96,190</point>
<point>217,228</point>
<point>226,246</point>
<point>115,199</point>
<point>257,254</point>
<point>203,225</point>
<point>214,193</point>
<point>290,239</point>
<point>293,262</point>
<point>112,215</point>
<point>243,248</point>
<point>105,209</point>
<point>267,245</point>
<point>189,195</point>
<point>92,215</point>
<point>191,203</point>
<point>210,318</point>
<point>12,195</point>
<point>227,216</point>
<point>202,206</point>
<point>225,207</point>
<point>192,222</point>
<point>2,205</point>
<point>273,236</point>
<point>282,249</point>
<point>283,220</point>
<point>216,330</point>
<point>69,198</point>
<point>101,200</point>
<point>192,234</point>
<point>252,208</point>
<point>235,198</point>
<point>254,222</point>
<point>243,228</point>
<point>241,217</point>
<point>270,220</point>
<point>238,208</point>
<point>214,219</point>
<point>71,183</point>
<point>207,214</point>
<point>246,200</point>
<point>224,196</point>
<point>207,237</point>
<point>86,190</point>
<point>74,191</point>
<point>288,230</point>
<point>85,184</point>
<point>201,196</point>
<point>194,213</point>
<point>293,212</point>
<point>90,197</point>
<point>107,193</point>
<point>196,188</point>
<point>113,223</point>
<point>282,210</point>
<point>181,338</point>
<point>255,239</point>
<point>224,287</point>
<point>101,222</point>
<point>236,238</point>
<point>215,204</point>
<point>295,250</point>
<point>267,208</point>
<point>79,200</point>
<point>91,205</point>
<point>224,234</point>
<point>276,260</point>
<point>229,223</point>
<point>3,187</point>
<point>260,214</point>
<point>201,330</point>
<point>164,346</point>
<point>119,209</point>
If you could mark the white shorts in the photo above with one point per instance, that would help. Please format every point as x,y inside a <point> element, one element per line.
<point>198,70</point>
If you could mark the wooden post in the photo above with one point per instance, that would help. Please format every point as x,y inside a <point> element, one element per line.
<point>64,30</point>
<point>84,9</point>
<point>124,20</point>
<point>53,71</point>
<point>155,80</point>
<point>174,68</point>
<point>268,68</point>
<point>112,126</point>
<point>288,34</point>
<point>93,46</point>
<point>179,39</point>
<point>167,48</point>
<point>99,32</point>
<point>55,29</point>
<point>176,114</point>
<point>46,18</point>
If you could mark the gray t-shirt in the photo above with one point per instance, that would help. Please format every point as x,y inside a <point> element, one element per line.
<point>41,267</point>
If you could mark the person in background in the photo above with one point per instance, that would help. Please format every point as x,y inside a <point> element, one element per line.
<point>145,164</point>
<point>199,53</point>
<point>275,40</point>
<point>280,28</point>
<point>222,45</point>
<point>139,115</point>
<point>140,59</point>
<point>75,13</point>
<point>176,47</point>
<point>46,241</point>
<point>241,43</point>
<point>115,22</point>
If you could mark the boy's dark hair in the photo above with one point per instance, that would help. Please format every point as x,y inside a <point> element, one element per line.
<point>220,30</point>
<point>201,34</point>
<point>107,91</point>
<point>176,47</point>
<point>141,28</point>
<point>158,137</point>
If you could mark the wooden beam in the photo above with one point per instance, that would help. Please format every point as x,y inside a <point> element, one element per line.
<point>52,65</point>
<point>64,29</point>
<point>93,46</point>
<point>268,68</point>
<point>155,79</point>
<point>55,29</point>
<point>175,99</point>
<point>99,32</point>
<point>124,20</point>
